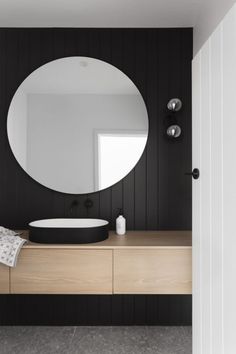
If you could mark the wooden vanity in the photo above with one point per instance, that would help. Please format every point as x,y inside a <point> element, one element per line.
<point>141,262</point>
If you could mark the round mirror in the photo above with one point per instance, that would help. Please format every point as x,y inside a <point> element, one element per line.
<point>77,125</point>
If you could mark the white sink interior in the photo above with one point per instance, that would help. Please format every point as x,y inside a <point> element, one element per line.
<point>68,223</point>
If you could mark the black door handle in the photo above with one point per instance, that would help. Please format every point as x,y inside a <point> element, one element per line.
<point>195,173</point>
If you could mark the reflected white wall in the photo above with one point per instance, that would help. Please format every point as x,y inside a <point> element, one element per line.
<point>70,121</point>
<point>17,125</point>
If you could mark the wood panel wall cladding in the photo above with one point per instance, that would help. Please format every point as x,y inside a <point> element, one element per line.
<point>156,195</point>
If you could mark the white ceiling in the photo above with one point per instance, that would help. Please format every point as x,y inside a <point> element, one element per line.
<point>99,13</point>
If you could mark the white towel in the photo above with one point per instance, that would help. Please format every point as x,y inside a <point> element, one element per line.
<point>10,246</point>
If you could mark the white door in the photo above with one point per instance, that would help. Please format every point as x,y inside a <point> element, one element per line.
<point>214,193</point>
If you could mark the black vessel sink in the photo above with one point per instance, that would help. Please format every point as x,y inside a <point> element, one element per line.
<point>68,230</point>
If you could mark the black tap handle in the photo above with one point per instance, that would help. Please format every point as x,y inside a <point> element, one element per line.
<point>88,203</point>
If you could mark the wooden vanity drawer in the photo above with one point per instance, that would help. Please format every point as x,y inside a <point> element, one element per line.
<point>62,271</point>
<point>4,279</point>
<point>156,271</point>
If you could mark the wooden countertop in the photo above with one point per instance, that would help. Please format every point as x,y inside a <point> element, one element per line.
<point>132,239</point>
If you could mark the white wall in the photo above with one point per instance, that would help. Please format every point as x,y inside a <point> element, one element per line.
<point>214,194</point>
<point>210,15</point>
<point>61,137</point>
<point>17,128</point>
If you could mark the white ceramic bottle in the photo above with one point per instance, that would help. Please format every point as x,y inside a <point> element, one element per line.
<point>120,224</point>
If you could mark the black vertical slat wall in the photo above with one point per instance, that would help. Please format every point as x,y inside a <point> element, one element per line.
<point>156,195</point>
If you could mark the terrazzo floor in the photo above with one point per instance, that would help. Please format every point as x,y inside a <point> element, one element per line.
<point>95,340</point>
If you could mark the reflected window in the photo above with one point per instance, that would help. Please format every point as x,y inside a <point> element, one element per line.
<point>113,160</point>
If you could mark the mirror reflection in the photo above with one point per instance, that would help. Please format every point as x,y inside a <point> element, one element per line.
<point>77,125</point>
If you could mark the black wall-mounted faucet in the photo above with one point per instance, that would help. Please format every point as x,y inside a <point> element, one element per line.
<point>74,205</point>
<point>88,204</point>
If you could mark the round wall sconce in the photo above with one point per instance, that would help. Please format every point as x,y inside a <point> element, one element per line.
<point>174,131</point>
<point>174,105</point>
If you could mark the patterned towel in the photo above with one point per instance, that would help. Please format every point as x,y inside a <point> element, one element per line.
<point>10,246</point>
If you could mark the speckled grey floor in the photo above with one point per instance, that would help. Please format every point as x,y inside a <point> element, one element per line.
<point>95,340</point>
